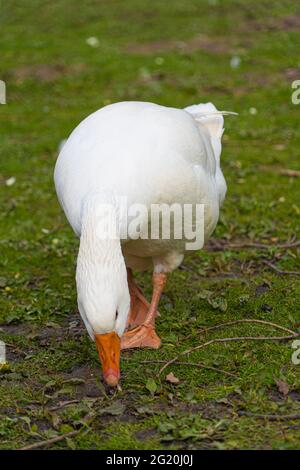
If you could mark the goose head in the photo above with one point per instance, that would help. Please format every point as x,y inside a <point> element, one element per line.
<point>103,302</point>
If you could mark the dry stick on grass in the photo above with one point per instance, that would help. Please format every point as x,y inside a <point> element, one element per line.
<point>227,340</point>
<point>247,320</point>
<point>62,404</point>
<point>281,171</point>
<point>291,244</point>
<point>292,173</point>
<point>269,417</point>
<point>292,334</point>
<point>193,364</point>
<point>281,271</point>
<point>48,442</point>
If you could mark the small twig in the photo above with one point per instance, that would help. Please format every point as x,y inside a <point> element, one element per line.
<point>245,320</point>
<point>265,246</point>
<point>294,244</point>
<point>62,404</point>
<point>280,171</point>
<point>48,442</point>
<point>88,419</point>
<point>228,340</point>
<point>281,271</point>
<point>192,364</point>
<point>293,173</point>
<point>270,417</point>
<point>248,320</point>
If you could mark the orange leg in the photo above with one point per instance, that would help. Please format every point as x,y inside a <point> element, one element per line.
<point>139,306</point>
<point>145,335</point>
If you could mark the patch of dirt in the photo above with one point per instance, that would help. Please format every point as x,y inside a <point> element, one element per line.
<point>253,79</point>
<point>42,425</point>
<point>45,72</point>
<point>13,355</point>
<point>261,289</point>
<point>276,396</point>
<point>145,434</point>
<point>290,23</point>
<point>199,42</point>
<point>8,411</point>
<point>211,409</point>
<point>224,90</point>
<point>295,395</point>
<point>292,74</point>
<point>15,329</point>
<point>34,282</point>
<point>267,308</point>
<point>90,376</point>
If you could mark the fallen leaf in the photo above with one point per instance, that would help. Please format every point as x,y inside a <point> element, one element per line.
<point>172,379</point>
<point>205,294</point>
<point>151,386</point>
<point>279,146</point>
<point>56,420</point>
<point>282,386</point>
<point>243,299</point>
<point>261,289</point>
<point>218,303</point>
<point>115,409</point>
<point>70,443</point>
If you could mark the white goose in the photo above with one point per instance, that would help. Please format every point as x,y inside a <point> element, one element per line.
<point>149,154</point>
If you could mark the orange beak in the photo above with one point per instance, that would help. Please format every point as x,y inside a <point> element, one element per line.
<point>109,347</point>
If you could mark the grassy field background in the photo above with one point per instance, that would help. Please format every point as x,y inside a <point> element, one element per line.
<point>241,55</point>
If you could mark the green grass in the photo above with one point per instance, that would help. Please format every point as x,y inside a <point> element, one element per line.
<point>148,51</point>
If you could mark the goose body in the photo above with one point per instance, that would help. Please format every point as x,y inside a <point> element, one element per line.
<point>147,154</point>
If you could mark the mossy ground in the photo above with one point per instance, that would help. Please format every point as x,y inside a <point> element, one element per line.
<point>243,56</point>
